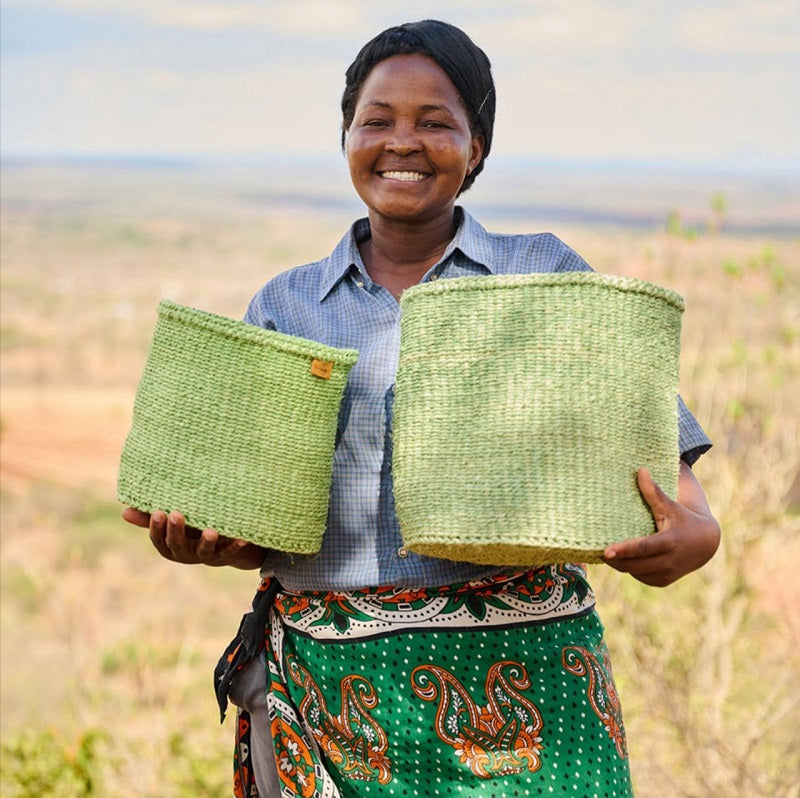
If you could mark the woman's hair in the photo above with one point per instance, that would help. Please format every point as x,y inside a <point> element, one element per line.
<point>453,51</point>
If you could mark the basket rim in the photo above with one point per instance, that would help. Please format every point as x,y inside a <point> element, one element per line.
<point>494,282</point>
<point>243,331</point>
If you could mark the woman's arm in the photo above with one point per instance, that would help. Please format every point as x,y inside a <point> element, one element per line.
<point>185,544</point>
<point>686,537</point>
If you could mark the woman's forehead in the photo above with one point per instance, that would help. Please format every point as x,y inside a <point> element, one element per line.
<point>415,79</point>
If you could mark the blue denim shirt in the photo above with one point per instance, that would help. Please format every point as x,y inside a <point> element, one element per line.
<point>335,302</point>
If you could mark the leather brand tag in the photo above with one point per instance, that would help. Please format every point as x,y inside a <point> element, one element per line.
<point>322,368</point>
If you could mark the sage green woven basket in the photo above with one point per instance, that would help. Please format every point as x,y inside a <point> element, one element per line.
<point>524,406</point>
<point>234,426</point>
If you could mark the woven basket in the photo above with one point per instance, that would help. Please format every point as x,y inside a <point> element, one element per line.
<point>524,406</point>
<point>234,426</point>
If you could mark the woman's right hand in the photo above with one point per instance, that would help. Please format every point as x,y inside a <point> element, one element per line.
<point>178,542</point>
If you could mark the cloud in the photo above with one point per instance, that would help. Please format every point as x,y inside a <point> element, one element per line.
<point>161,110</point>
<point>678,114</point>
<point>312,18</point>
<point>188,14</point>
<point>327,18</point>
<point>203,16</point>
<point>579,28</point>
<point>590,79</point>
<point>743,28</point>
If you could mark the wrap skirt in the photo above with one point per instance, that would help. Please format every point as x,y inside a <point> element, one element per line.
<point>500,687</point>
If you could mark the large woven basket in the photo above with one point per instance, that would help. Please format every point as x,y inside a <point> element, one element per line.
<point>524,406</point>
<point>234,426</point>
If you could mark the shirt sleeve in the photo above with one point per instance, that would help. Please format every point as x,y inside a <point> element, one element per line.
<point>259,312</point>
<point>692,439</point>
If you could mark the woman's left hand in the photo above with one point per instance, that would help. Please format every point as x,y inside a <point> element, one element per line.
<point>686,537</point>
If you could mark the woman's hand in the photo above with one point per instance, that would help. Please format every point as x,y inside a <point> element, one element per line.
<point>686,537</point>
<point>180,543</point>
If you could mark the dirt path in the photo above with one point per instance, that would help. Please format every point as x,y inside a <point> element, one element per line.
<point>69,436</point>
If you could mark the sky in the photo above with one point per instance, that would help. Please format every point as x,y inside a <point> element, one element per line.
<point>694,82</point>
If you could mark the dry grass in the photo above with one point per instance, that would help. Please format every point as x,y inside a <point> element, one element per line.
<point>107,650</point>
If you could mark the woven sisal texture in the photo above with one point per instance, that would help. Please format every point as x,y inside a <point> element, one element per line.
<point>524,406</point>
<point>234,426</point>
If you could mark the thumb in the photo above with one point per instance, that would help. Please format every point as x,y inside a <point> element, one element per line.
<point>658,501</point>
<point>136,517</point>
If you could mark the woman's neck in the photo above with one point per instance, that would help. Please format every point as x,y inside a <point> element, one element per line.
<point>397,255</point>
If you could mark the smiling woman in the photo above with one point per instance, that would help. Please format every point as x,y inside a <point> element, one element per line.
<point>369,669</point>
<point>410,126</point>
<point>410,148</point>
<point>466,66</point>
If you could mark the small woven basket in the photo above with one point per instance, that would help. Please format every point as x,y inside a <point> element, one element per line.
<point>524,406</point>
<point>234,426</point>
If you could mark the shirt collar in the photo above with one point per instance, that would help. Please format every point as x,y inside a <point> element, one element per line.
<point>471,239</point>
<point>344,257</point>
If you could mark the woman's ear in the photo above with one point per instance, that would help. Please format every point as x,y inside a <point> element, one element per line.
<point>477,153</point>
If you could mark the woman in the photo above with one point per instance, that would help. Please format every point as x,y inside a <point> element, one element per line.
<point>384,672</point>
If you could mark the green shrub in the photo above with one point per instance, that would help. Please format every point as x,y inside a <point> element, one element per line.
<point>40,765</point>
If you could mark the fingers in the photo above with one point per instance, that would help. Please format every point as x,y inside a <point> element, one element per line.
<point>176,530</point>
<point>158,533</point>
<point>136,517</point>
<point>623,555</point>
<point>214,549</point>
<point>656,545</point>
<point>635,548</point>
<point>168,535</point>
<point>686,536</point>
<point>178,542</point>
<point>182,540</point>
<point>649,559</point>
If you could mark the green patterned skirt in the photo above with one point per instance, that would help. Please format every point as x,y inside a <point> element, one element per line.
<point>498,688</point>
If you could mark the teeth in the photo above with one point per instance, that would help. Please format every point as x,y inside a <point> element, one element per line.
<point>407,176</point>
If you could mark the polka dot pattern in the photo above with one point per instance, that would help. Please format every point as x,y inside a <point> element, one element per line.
<point>497,702</point>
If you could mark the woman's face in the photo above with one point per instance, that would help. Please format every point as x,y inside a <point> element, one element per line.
<point>410,146</point>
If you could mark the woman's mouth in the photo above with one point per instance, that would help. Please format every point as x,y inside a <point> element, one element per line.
<point>406,177</point>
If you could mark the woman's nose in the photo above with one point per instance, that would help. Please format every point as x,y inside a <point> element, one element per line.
<point>404,139</point>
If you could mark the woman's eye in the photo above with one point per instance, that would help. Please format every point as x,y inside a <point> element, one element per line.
<point>375,123</point>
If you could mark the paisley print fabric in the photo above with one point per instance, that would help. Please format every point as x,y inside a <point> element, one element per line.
<point>501,737</point>
<point>498,688</point>
<point>538,596</point>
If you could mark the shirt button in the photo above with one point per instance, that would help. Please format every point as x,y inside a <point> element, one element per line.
<point>359,283</point>
<point>434,277</point>
<point>402,552</point>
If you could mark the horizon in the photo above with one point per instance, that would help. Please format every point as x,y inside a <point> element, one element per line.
<point>510,190</point>
<point>785,168</point>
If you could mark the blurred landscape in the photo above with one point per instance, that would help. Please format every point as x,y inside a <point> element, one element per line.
<point>107,650</point>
